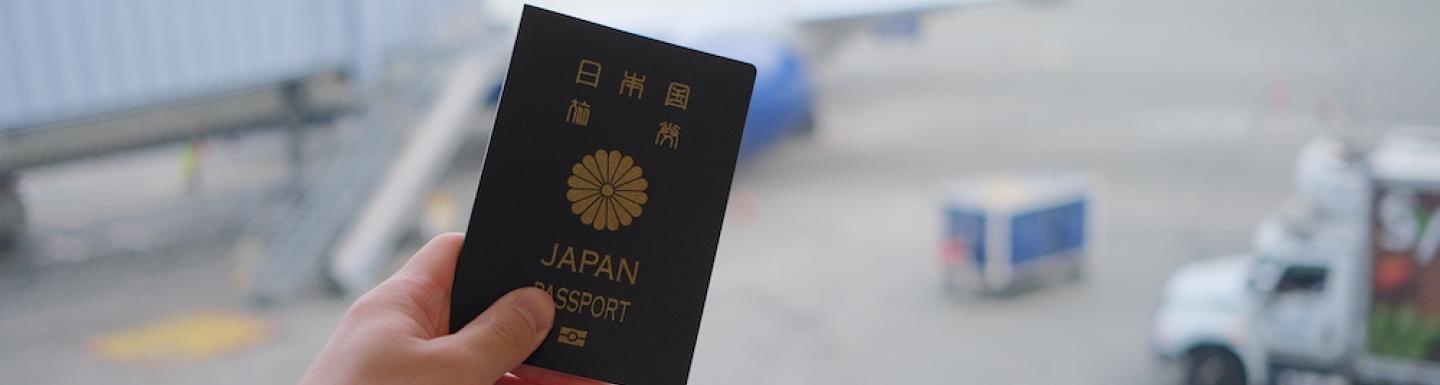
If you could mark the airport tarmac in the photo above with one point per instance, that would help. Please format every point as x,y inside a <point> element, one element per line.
<point>1188,115</point>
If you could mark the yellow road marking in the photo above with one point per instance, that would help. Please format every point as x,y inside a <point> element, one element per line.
<point>189,336</point>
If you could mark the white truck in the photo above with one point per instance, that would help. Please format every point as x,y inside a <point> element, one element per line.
<point>1342,286</point>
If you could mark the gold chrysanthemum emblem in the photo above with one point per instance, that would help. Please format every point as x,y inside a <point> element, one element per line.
<point>606,190</point>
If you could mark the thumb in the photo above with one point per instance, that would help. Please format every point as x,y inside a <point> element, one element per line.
<point>501,337</point>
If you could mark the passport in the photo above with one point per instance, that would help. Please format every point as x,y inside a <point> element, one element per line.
<point>605,184</point>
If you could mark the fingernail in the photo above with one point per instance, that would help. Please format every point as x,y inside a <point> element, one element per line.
<point>529,303</point>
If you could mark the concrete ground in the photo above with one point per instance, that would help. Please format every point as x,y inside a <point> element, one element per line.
<point>1189,115</point>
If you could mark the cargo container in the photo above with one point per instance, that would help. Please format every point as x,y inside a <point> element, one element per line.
<point>1009,232</point>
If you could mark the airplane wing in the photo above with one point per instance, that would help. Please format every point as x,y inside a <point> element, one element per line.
<point>820,24</point>
<point>825,25</point>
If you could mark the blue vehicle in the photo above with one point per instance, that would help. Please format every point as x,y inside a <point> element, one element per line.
<point>782,104</point>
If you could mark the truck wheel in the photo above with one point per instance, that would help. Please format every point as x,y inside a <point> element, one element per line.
<point>1213,366</point>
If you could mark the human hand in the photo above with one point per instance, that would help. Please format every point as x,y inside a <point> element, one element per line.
<point>398,332</point>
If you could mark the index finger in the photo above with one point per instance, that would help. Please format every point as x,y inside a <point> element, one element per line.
<point>434,264</point>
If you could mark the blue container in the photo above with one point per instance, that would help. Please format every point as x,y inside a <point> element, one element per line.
<point>1007,232</point>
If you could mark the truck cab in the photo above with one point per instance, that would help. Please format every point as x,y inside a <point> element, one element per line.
<point>1303,287</point>
<point>1276,315</point>
<point>1286,309</point>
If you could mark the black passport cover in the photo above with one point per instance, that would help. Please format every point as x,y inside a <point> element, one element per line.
<point>617,150</point>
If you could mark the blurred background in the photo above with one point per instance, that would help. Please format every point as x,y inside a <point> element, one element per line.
<point>934,192</point>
